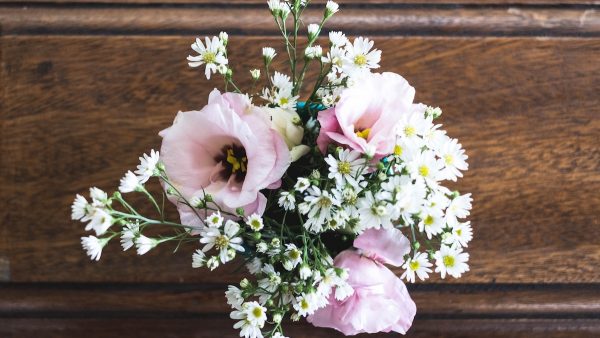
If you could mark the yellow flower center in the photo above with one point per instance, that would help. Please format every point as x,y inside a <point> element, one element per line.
<point>236,163</point>
<point>221,241</point>
<point>424,171</point>
<point>209,57</point>
<point>449,261</point>
<point>449,159</point>
<point>283,101</point>
<point>459,232</point>
<point>344,168</point>
<point>397,150</point>
<point>428,220</point>
<point>414,265</point>
<point>324,202</point>
<point>257,312</point>
<point>360,60</point>
<point>304,304</point>
<point>363,133</point>
<point>294,254</point>
<point>255,224</point>
<point>410,131</point>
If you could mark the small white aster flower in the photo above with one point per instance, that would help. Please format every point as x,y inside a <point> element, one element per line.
<point>129,183</point>
<point>287,200</point>
<point>331,8</point>
<point>268,54</point>
<point>313,52</point>
<point>285,99</point>
<point>211,55</point>
<point>100,221</point>
<point>213,237</point>
<point>454,158</point>
<point>273,279</point>
<point>302,184</point>
<point>255,73</point>
<point>255,222</point>
<point>347,168</point>
<point>432,223</point>
<point>313,31</point>
<point>215,220</point>
<point>234,297</point>
<point>293,257</point>
<point>419,265</point>
<point>252,317</point>
<point>451,260</point>
<point>254,266</point>
<point>338,39</point>
<point>360,57</point>
<point>262,247</point>
<point>99,197</point>
<point>147,166</point>
<point>321,203</point>
<point>198,259</point>
<point>145,244</point>
<point>426,166</point>
<point>459,208</point>
<point>93,246</point>
<point>80,208</point>
<point>128,234</point>
<point>374,213</point>
<point>461,234</point>
<point>212,263</point>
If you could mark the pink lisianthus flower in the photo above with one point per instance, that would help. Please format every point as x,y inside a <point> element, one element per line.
<point>380,302</point>
<point>367,114</point>
<point>228,150</point>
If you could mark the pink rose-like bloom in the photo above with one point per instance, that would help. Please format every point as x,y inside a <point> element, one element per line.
<point>367,114</point>
<point>227,150</point>
<point>380,302</point>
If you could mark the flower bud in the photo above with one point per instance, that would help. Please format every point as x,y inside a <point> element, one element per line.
<point>277,318</point>
<point>331,8</point>
<point>255,73</point>
<point>245,283</point>
<point>224,37</point>
<point>268,54</point>
<point>313,31</point>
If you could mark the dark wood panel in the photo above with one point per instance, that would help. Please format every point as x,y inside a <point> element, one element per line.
<point>451,20</point>
<point>78,111</point>
<point>176,300</point>
<point>210,327</point>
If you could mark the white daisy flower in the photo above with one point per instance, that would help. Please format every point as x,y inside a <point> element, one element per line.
<point>338,39</point>
<point>211,55</point>
<point>147,166</point>
<point>80,209</point>
<point>99,197</point>
<point>359,56</point>
<point>129,183</point>
<point>451,260</point>
<point>461,234</point>
<point>234,297</point>
<point>273,279</point>
<point>432,224</point>
<point>268,54</point>
<point>252,317</point>
<point>348,168</point>
<point>459,208</point>
<point>293,257</point>
<point>198,259</point>
<point>213,237</point>
<point>128,234</point>
<point>93,246</point>
<point>305,304</point>
<point>287,200</point>
<point>215,220</point>
<point>374,213</point>
<point>281,81</point>
<point>284,98</point>
<point>417,265</point>
<point>145,244</point>
<point>454,158</point>
<point>426,166</point>
<point>255,222</point>
<point>302,184</point>
<point>100,221</point>
<point>320,204</point>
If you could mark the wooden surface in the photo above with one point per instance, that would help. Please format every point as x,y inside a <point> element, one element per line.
<point>86,87</point>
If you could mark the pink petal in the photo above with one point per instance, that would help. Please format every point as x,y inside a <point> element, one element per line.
<point>385,245</point>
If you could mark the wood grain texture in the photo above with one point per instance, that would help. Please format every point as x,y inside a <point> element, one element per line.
<point>448,21</point>
<point>83,300</point>
<point>216,326</point>
<point>79,110</point>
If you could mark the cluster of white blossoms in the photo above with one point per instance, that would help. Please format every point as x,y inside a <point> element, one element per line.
<point>100,214</point>
<point>402,190</point>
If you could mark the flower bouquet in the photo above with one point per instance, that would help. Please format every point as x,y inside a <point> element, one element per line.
<point>316,187</point>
